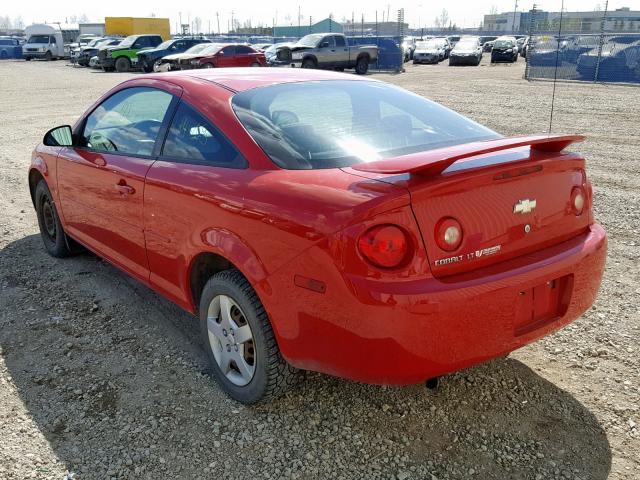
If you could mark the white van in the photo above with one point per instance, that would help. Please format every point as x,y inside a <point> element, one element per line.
<point>48,41</point>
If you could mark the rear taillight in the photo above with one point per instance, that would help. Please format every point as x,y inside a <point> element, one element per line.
<point>448,234</point>
<point>385,246</point>
<point>578,199</point>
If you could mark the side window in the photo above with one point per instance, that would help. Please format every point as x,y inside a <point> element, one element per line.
<point>330,40</point>
<point>229,51</point>
<point>339,41</point>
<point>193,139</point>
<point>244,50</point>
<point>154,41</point>
<point>52,40</point>
<point>127,122</point>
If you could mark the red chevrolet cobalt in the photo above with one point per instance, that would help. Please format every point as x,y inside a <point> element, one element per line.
<point>321,221</point>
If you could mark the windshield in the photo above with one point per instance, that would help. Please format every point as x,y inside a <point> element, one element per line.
<point>347,123</point>
<point>310,40</point>
<point>466,43</point>
<point>39,39</point>
<point>430,44</point>
<point>503,43</point>
<point>127,42</point>
<point>165,45</point>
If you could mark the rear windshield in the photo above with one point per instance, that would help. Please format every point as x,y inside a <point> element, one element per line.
<point>329,124</point>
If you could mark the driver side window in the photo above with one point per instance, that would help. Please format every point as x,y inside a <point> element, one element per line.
<point>127,122</point>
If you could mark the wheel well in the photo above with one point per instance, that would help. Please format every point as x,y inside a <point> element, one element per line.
<point>34,178</point>
<point>203,267</point>
<point>363,55</point>
<point>312,58</point>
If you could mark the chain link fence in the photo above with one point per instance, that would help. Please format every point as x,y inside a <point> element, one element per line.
<point>606,58</point>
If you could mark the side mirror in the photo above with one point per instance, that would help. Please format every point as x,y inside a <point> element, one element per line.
<point>221,53</point>
<point>324,45</point>
<point>59,137</point>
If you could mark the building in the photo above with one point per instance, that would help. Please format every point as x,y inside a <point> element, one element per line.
<point>375,28</point>
<point>326,25</point>
<point>620,20</point>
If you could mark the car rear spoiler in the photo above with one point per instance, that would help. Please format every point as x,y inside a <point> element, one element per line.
<point>434,162</point>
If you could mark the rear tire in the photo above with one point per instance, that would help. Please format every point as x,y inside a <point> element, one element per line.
<point>122,64</point>
<point>256,64</point>
<point>208,65</point>
<point>28,59</point>
<point>362,66</point>
<point>51,231</point>
<point>147,68</point>
<point>241,345</point>
<point>48,57</point>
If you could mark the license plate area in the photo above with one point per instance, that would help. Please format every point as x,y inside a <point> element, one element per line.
<point>542,304</point>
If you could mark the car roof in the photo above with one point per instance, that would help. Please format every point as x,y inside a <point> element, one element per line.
<point>242,78</point>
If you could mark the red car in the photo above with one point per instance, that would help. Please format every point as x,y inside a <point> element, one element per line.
<point>238,55</point>
<point>325,222</point>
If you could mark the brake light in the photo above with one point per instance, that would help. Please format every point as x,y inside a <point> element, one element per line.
<point>384,246</point>
<point>577,200</point>
<point>448,234</point>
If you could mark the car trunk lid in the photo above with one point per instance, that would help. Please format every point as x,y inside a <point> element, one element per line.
<point>511,196</point>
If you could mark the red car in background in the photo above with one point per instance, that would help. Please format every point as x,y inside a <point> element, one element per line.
<point>232,55</point>
<point>325,222</point>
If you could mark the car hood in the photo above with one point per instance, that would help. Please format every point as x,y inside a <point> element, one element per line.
<point>183,56</point>
<point>464,50</point>
<point>428,50</point>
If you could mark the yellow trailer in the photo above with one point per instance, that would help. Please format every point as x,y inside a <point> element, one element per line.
<point>126,26</point>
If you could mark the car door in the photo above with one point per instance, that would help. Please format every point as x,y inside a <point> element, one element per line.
<point>326,51</point>
<point>341,52</point>
<point>187,196</point>
<point>228,57</point>
<point>101,180</point>
<point>245,56</point>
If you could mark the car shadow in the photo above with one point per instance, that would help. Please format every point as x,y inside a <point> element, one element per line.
<point>116,381</point>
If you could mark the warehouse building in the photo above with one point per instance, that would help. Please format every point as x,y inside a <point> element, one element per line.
<point>326,25</point>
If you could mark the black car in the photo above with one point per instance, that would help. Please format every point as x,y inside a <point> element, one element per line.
<point>147,58</point>
<point>505,49</point>
<point>91,50</point>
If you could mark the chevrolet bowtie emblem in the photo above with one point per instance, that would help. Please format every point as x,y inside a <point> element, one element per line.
<point>524,206</point>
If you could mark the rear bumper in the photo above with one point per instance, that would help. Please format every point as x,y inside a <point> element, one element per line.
<point>407,332</point>
<point>463,59</point>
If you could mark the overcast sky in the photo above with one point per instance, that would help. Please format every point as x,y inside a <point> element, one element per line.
<point>465,13</point>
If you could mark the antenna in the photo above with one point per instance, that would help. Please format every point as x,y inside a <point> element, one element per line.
<point>555,72</point>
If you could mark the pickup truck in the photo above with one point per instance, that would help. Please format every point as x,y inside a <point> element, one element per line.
<point>121,57</point>
<point>328,50</point>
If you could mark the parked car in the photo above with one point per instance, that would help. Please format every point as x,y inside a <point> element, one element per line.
<point>487,46</point>
<point>271,54</point>
<point>485,40</point>
<point>261,47</point>
<point>330,51</point>
<point>174,62</point>
<point>468,51</point>
<point>453,39</point>
<point>147,58</point>
<point>270,199</point>
<point>91,49</point>
<point>230,55</point>
<point>431,51</point>
<point>10,48</point>
<point>504,49</point>
<point>618,63</point>
<point>408,47</point>
<point>123,56</point>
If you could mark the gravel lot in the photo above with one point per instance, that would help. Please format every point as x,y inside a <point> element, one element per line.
<point>101,377</point>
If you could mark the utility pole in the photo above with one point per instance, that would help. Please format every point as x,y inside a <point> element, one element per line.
<point>298,21</point>
<point>515,9</point>
<point>232,24</point>
<point>218,20</point>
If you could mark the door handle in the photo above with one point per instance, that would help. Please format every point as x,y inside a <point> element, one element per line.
<point>125,189</point>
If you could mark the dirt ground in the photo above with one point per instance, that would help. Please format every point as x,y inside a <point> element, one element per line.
<point>102,378</point>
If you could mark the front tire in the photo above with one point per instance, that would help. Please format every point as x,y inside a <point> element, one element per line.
<point>48,57</point>
<point>308,63</point>
<point>51,231</point>
<point>240,342</point>
<point>122,65</point>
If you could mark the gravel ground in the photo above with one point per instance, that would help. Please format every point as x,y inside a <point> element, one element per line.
<point>102,378</point>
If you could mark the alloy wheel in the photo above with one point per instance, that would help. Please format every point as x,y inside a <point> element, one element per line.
<point>231,340</point>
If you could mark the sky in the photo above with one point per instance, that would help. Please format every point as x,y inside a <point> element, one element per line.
<point>418,13</point>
